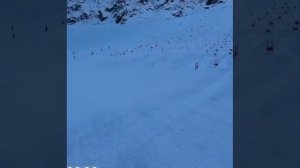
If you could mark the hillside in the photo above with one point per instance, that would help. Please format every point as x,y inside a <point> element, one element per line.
<point>120,11</point>
<point>152,93</point>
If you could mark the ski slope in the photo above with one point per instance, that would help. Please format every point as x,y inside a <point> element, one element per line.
<point>135,99</point>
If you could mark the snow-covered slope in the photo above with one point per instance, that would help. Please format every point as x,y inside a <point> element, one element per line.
<point>120,11</point>
<point>136,98</point>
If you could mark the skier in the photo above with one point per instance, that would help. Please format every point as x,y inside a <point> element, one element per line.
<point>196,65</point>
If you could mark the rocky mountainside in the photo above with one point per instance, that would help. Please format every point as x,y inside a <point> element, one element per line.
<point>120,11</point>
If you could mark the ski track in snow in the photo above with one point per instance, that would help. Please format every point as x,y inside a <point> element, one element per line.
<point>136,101</point>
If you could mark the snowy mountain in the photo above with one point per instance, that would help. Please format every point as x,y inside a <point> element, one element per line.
<point>120,11</point>
<point>155,92</point>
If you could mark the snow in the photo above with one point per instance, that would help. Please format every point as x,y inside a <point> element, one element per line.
<point>149,108</point>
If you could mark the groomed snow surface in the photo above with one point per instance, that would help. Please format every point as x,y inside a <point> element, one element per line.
<point>135,99</point>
